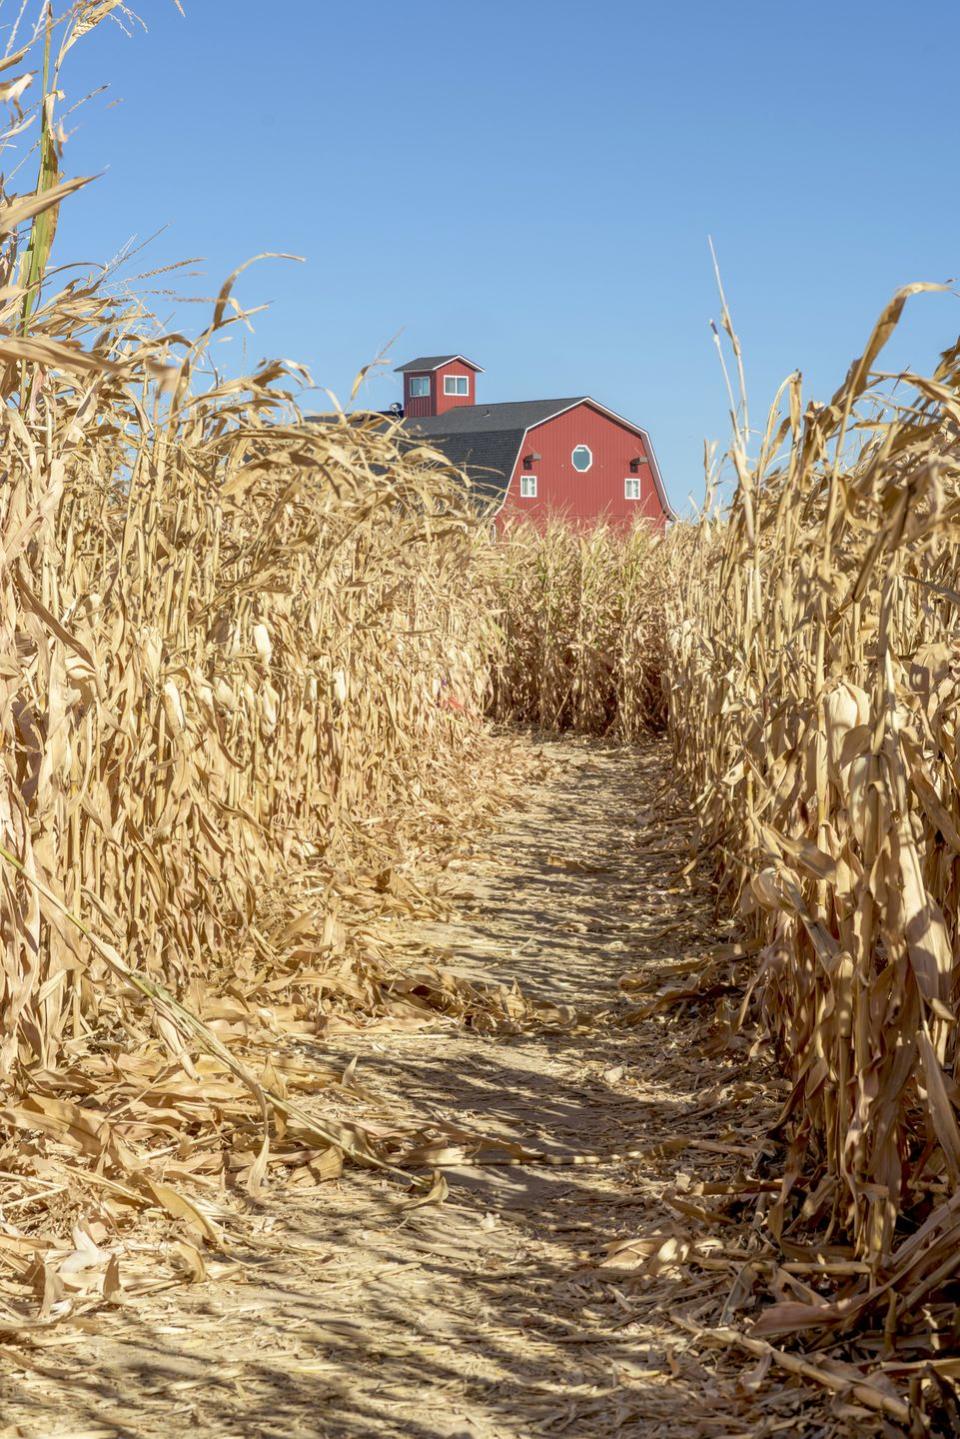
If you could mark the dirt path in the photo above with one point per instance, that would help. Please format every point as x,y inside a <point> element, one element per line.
<point>491,1316</point>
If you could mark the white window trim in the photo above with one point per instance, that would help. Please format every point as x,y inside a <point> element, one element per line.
<point>419,380</point>
<point>449,380</point>
<point>528,487</point>
<point>627,482</point>
<point>589,467</point>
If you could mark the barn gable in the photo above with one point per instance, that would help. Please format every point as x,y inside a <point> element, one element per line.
<point>590,464</point>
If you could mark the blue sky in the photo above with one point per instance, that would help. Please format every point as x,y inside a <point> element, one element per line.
<point>532,182</point>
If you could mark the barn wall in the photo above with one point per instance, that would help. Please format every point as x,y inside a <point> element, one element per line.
<point>422,404</point>
<point>436,403</point>
<point>599,493</point>
<point>443,402</point>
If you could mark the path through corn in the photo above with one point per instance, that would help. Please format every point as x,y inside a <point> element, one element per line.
<point>499,1313</point>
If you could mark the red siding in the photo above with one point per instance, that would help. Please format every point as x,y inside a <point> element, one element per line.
<point>419,404</point>
<point>436,403</point>
<point>444,402</point>
<point>596,494</point>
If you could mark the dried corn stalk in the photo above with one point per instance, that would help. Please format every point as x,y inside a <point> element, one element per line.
<point>581,628</point>
<point>226,635</point>
<point>814,663</point>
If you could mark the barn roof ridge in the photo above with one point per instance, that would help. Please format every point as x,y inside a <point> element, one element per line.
<point>503,415</point>
<point>433,362</point>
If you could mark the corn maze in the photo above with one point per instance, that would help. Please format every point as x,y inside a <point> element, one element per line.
<point>264,677</point>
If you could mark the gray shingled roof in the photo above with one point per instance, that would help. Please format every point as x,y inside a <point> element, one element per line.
<point>473,419</point>
<point>485,440</point>
<point>433,362</point>
<point>487,458</point>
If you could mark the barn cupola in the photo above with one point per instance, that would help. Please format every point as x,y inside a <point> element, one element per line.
<point>433,384</point>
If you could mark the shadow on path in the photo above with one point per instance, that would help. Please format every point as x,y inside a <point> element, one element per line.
<point>491,1316</point>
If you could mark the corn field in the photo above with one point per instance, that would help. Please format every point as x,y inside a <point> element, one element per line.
<point>229,635</point>
<point>249,665</point>
<point>804,639</point>
<point>230,638</point>
<point>581,633</point>
<point>813,674</point>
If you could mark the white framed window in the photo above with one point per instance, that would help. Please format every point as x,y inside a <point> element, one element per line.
<point>631,488</point>
<point>581,458</point>
<point>456,385</point>
<point>419,386</point>
<point>528,487</point>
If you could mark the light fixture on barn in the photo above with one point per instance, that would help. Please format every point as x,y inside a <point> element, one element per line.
<point>530,460</point>
<point>636,462</point>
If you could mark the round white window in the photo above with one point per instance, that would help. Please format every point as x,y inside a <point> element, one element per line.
<point>582,458</point>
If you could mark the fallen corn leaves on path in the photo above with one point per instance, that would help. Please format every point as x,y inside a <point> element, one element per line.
<point>526,1303</point>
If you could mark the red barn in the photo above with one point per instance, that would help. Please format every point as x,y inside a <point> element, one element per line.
<point>571,457</point>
